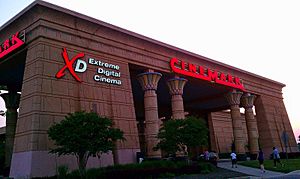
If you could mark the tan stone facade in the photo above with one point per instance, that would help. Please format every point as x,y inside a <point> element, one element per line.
<point>221,131</point>
<point>46,99</point>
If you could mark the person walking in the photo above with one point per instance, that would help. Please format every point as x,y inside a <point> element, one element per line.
<point>206,156</point>
<point>233,159</point>
<point>276,157</point>
<point>260,158</point>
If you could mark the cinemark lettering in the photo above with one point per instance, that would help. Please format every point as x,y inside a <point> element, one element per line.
<point>207,74</point>
<point>9,45</point>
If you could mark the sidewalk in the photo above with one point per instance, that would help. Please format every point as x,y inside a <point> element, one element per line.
<point>254,172</point>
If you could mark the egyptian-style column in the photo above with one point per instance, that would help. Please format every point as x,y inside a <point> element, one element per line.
<point>149,82</point>
<point>247,101</point>
<point>176,86</point>
<point>233,99</point>
<point>12,100</point>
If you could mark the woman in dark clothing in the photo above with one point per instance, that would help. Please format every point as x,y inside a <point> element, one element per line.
<point>260,158</point>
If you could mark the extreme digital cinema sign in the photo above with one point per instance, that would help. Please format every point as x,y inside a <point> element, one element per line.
<point>105,73</point>
<point>12,43</point>
<point>206,74</point>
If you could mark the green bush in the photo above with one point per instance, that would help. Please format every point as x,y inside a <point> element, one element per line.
<point>167,175</point>
<point>206,167</point>
<point>62,171</point>
<point>76,174</point>
<point>147,169</point>
<point>93,173</point>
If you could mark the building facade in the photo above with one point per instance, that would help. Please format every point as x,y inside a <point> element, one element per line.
<point>62,61</point>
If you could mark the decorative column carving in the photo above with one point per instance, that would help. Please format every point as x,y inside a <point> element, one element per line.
<point>12,100</point>
<point>176,86</point>
<point>233,99</point>
<point>149,82</point>
<point>247,101</point>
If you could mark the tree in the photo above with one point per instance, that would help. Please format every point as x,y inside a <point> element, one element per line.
<point>84,134</point>
<point>169,138</point>
<point>177,134</point>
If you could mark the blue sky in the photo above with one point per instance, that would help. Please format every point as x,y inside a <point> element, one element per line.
<point>257,36</point>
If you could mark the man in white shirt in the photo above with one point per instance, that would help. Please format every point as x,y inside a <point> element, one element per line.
<point>276,157</point>
<point>233,159</point>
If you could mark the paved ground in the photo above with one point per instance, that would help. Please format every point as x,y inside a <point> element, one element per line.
<point>257,173</point>
<point>219,173</point>
<point>291,175</point>
<point>225,171</point>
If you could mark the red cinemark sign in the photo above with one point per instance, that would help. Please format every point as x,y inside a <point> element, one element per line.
<point>68,65</point>
<point>12,43</point>
<point>207,74</point>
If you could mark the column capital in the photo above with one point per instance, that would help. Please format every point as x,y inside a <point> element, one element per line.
<point>247,100</point>
<point>176,85</point>
<point>12,100</point>
<point>233,97</point>
<point>149,80</point>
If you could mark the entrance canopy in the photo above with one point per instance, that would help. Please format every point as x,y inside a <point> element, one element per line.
<point>199,96</point>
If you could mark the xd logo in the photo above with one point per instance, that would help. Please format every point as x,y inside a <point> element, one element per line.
<point>80,67</point>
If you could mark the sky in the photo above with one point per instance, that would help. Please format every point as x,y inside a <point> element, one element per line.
<point>258,36</point>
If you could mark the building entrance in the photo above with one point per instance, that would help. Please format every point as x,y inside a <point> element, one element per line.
<point>202,99</point>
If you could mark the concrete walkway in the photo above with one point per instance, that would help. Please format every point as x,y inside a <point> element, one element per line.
<point>253,172</point>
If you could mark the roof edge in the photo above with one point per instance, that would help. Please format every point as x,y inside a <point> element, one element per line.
<point>94,20</point>
<point>19,14</point>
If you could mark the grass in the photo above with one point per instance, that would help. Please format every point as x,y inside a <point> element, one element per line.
<point>289,165</point>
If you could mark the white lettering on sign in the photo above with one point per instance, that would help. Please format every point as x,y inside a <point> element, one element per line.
<point>103,64</point>
<point>107,80</point>
<point>105,71</point>
<point>109,72</point>
<point>80,66</point>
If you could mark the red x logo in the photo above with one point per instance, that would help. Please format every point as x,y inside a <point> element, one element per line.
<point>68,65</point>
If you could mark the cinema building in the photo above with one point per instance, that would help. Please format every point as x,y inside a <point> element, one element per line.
<point>62,61</point>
